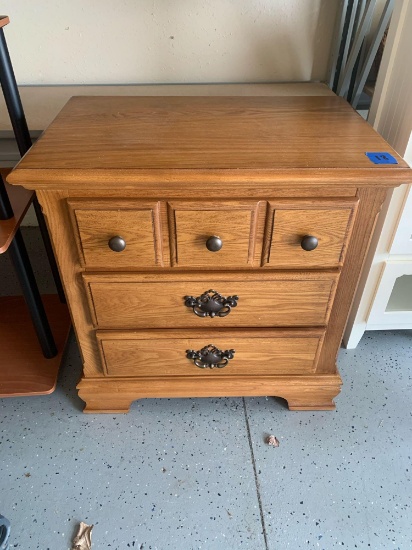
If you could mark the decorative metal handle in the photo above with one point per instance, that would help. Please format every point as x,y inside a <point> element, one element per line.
<point>211,304</point>
<point>214,243</point>
<point>309,243</point>
<point>117,244</point>
<point>210,357</point>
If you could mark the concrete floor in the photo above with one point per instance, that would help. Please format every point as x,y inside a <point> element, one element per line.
<point>190,474</point>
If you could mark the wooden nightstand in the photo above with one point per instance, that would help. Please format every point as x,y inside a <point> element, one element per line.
<point>209,246</point>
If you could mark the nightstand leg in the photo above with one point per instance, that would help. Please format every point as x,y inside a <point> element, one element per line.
<point>312,403</point>
<point>100,398</point>
<point>303,393</point>
<point>308,395</point>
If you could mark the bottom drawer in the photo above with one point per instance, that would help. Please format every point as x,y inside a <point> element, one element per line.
<point>164,352</point>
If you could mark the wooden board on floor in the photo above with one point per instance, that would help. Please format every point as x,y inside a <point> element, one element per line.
<point>23,368</point>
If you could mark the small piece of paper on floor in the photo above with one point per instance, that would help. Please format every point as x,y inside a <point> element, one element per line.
<point>272,440</point>
<point>83,539</point>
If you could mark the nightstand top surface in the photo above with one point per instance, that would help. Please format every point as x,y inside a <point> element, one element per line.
<point>207,133</point>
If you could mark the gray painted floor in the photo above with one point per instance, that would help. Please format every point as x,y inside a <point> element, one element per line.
<point>186,474</point>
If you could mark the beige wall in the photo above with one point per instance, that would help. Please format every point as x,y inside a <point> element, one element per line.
<point>167,41</point>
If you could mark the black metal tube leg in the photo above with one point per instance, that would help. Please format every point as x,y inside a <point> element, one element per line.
<point>22,134</point>
<point>49,250</point>
<point>6,210</point>
<point>24,271</point>
<point>12,98</point>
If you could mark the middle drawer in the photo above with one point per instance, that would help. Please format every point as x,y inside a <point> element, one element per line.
<point>135,301</point>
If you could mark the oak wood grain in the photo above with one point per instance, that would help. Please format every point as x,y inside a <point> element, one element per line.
<point>239,225</point>
<point>370,203</point>
<point>207,132</point>
<point>287,226</point>
<point>57,217</point>
<point>96,222</point>
<point>43,103</point>
<point>237,183</point>
<point>256,353</point>
<point>193,229</point>
<point>302,392</point>
<point>197,167</point>
<point>122,301</point>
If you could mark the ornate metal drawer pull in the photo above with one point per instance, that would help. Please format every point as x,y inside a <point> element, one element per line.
<point>210,357</point>
<point>211,303</point>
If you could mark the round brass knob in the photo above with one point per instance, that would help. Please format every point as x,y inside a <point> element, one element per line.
<point>117,244</point>
<point>214,244</point>
<point>309,242</point>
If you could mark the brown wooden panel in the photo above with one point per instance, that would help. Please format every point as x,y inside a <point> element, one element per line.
<point>4,20</point>
<point>20,199</point>
<point>24,370</point>
<point>151,354</point>
<point>287,226</point>
<point>370,204</point>
<point>95,222</point>
<point>304,392</point>
<point>238,224</point>
<point>209,133</point>
<point>260,174</point>
<point>132,302</point>
<point>248,183</point>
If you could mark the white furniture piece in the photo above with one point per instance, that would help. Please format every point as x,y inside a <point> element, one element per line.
<point>391,307</point>
<point>384,297</point>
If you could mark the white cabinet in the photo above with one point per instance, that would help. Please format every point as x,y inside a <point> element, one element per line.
<point>384,297</point>
<point>391,307</point>
<point>392,304</point>
<point>402,241</point>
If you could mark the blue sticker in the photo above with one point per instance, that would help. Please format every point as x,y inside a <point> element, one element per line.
<point>381,158</point>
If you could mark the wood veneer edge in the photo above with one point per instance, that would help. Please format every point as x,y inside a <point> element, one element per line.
<point>37,178</point>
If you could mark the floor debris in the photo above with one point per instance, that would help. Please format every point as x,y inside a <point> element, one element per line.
<point>272,440</point>
<point>83,539</point>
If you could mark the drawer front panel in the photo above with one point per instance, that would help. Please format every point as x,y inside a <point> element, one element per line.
<point>330,226</point>
<point>136,223</point>
<point>129,302</point>
<point>164,354</point>
<point>239,227</point>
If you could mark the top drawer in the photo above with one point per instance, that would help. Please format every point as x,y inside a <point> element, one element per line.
<point>307,235</point>
<point>217,235</point>
<point>116,234</point>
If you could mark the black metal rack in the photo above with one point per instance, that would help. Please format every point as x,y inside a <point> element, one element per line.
<point>11,239</point>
